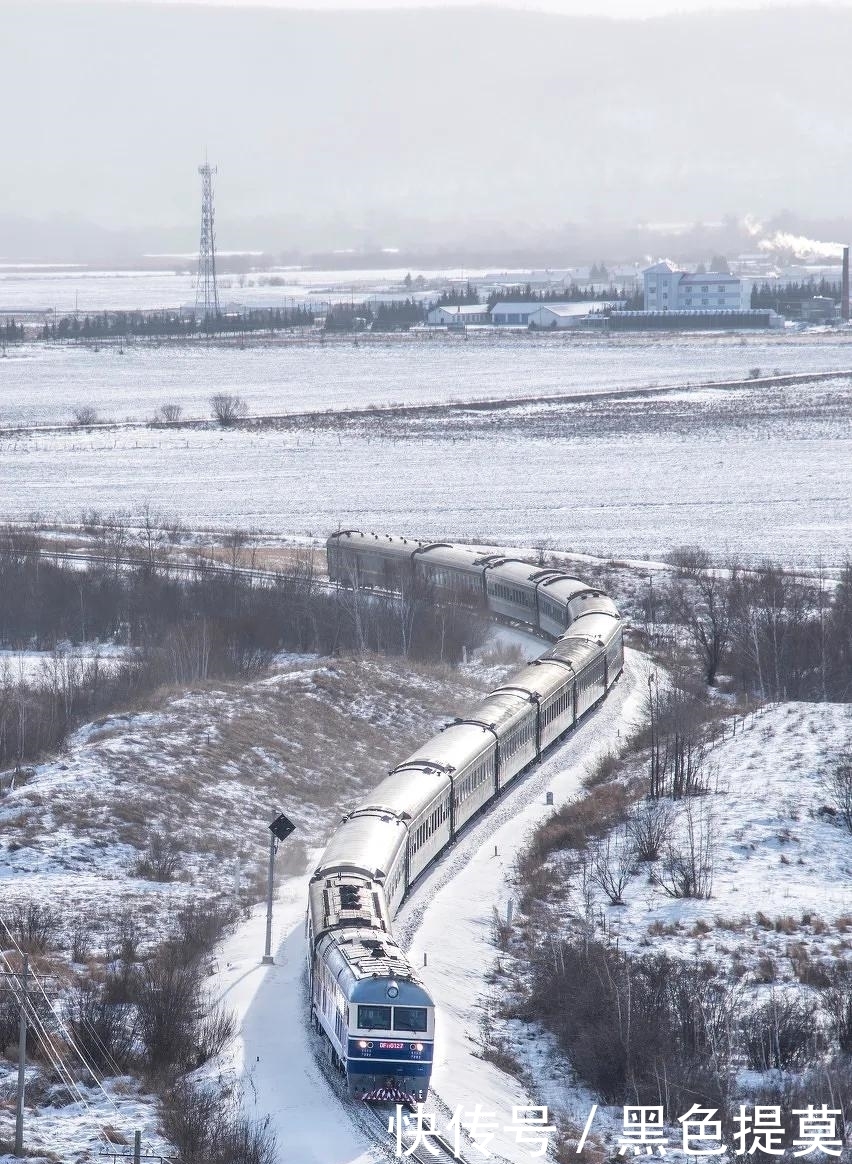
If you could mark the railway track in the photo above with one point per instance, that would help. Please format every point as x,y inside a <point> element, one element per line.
<point>199,566</point>
<point>404,1143</point>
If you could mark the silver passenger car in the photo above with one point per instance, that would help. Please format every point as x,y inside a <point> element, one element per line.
<point>510,715</point>
<point>555,590</point>
<point>370,559</point>
<point>510,590</point>
<point>466,752</point>
<point>422,798</point>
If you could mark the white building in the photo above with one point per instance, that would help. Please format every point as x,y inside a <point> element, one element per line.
<point>506,313</point>
<point>458,315</point>
<point>668,289</point>
<point>552,316</point>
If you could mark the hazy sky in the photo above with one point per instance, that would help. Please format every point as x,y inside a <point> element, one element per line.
<point>614,8</point>
<point>380,128</point>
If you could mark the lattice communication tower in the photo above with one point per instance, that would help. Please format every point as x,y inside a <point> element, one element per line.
<point>206,291</point>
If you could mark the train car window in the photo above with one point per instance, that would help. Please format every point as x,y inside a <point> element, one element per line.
<point>409,1018</point>
<point>374,1018</point>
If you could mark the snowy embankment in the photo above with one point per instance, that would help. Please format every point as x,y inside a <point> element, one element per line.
<point>449,918</point>
<point>204,771</point>
<point>781,861</point>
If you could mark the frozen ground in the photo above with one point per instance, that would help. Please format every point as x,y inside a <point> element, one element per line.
<point>753,473</point>
<point>205,770</point>
<point>782,867</point>
<point>42,383</point>
<point>72,288</point>
<point>450,919</point>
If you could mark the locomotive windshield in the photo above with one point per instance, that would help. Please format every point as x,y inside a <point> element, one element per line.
<point>374,1018</point>
<point>409,1018</point>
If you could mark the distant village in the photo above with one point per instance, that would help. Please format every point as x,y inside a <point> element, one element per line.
<point>661,297</point>
<point>668,298</point>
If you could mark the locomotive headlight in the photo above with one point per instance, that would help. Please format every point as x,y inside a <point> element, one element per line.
<point>417,1046</point>
<point>392,990</point>
<point>364,1044</point>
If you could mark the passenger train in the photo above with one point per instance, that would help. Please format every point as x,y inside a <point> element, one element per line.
<point>365,997</point>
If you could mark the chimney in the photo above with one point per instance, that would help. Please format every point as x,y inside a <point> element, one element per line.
<point>844,292</point>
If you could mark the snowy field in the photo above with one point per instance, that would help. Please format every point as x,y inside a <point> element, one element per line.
<point>759,473</point>
<point>43,384</point>
<point>72,288</point>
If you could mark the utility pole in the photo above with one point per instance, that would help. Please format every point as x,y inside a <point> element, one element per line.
<point>22,1058</point>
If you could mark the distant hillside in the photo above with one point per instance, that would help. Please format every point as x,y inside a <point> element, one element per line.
<point>374,127</point>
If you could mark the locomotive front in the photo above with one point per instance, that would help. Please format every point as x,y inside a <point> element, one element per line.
<point>391,1038</point>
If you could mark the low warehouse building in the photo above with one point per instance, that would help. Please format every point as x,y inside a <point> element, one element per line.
<point>458,315</point>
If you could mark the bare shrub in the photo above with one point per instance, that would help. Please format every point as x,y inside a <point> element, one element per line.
<point>166,993</point>
<point>168,414</point>
<point>127,937</point>
<point>214,1032</point>
<point>603,768</point>
<point>103,1030</point>
<point>687,866</point>
<point>227,407</point>
<point>199,927</point>
<point>35,927</point>
<point>9,1021</point>
<point>208,1129</point>
<point>650,829</point>
<point>688,559</point>
<point>612,864</point>
<point>161,860</point>
<point>84,415</point>
<point>81,940</point>
<point>837,784</point>
<point>629,1024</point>
<point>836,999</point>
<point>782,1034</point>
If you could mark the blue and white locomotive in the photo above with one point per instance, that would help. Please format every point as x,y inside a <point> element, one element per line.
<point>377,1016</point>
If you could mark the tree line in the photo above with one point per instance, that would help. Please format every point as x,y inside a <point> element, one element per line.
<point>121,324</point>
<point>178,626</point>
<point>776,634</point>
<point>570,294</point>
<point>787,298</point>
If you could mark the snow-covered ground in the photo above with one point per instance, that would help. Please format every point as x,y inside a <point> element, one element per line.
<point>43,383</point>
<point>782,868</point>
<point>31,665</point>
<point>448,919</point>
<point>775,488</point>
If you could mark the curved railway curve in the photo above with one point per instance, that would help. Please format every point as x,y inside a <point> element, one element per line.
<point>375,1014</point>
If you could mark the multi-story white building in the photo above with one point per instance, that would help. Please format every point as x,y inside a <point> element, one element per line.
<point>668,289</point>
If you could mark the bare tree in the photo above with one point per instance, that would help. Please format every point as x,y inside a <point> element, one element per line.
<point>678,742</point>
<point>168,414</point>
<point>702,601</point>
<point>650,829</point>
<point>837,784</point>
<point>612,863</point>
<point>688,866</point>
<point>84,415</point>
<point>151,534</point>
<point>227,407</point>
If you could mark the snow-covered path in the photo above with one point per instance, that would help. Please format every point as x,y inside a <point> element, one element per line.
<point>273,1059</point>
<point>449,918</point>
